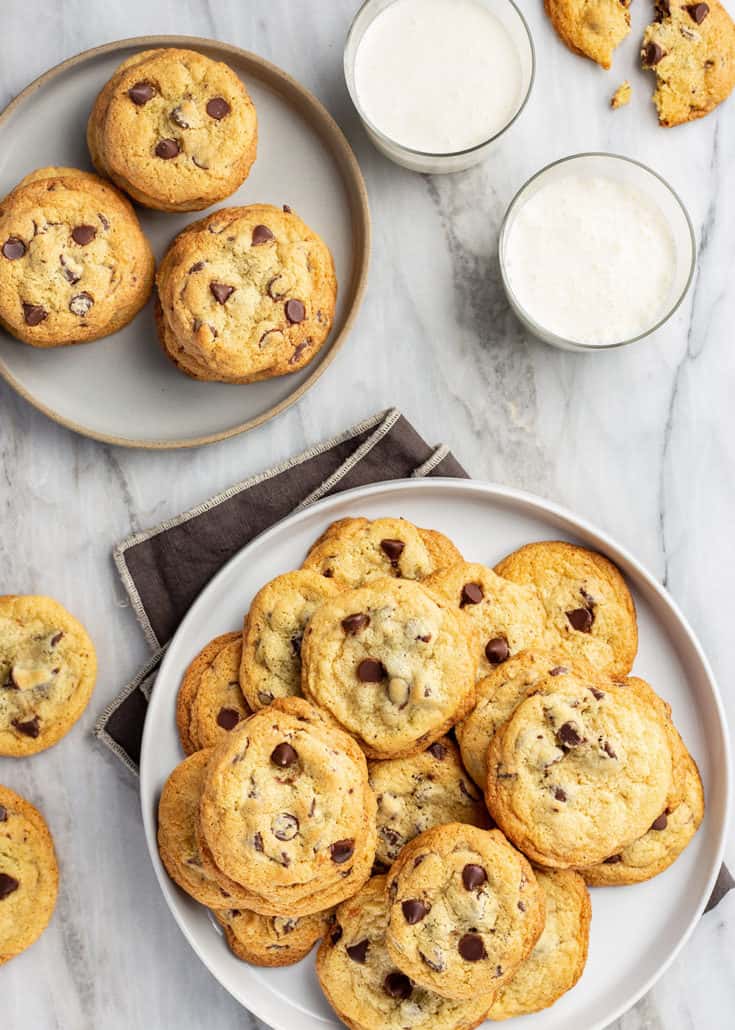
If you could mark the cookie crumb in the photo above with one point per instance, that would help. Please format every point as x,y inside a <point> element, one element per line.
<point>621,96</point>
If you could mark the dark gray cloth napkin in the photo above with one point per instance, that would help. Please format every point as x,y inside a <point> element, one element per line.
<point>167,567</point>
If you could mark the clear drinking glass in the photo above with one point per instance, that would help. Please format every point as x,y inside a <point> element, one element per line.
<point>420,161</point>
<point>623,169</point>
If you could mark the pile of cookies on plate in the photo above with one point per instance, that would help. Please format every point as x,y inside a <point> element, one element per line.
<point>422,763</point>
<point>48,669</point>
<point>244,294</point>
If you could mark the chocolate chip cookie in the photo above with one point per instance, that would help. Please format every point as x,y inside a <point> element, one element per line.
<point>287,811</point>
<point>355,551</point>
<point>691,48</point>
<point>210,702</point>
<point>656,850</point>
<point>422,791</point>
<point>578,772</point>
<point>74,263</point>
<point>392,662</point>
<point>48,668</point>
<point>363,984</point>
<point>245,294</point>
<point>592,28</point>
<point>558,960</point>
<point>464,910</point>
<point>506,617</point>
<point>273,631</point>
<point>29,876</point>
<point>178,813</point>
<point>589,609</point>
<point>272,940</point>
<point>174,129</point>
<point>498,695</point>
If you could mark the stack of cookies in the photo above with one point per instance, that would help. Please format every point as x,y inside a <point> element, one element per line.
<point>423,763</point>
<point>247,293</point>
<point>48,669</point>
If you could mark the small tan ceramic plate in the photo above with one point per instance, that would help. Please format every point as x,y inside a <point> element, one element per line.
<point>123,390</point>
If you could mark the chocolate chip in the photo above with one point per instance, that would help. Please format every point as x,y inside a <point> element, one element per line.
<point>392,549</point>
<point>597,694</point>
<point>141,93</point>
<point>167,148</point>
<point>471,947</point>
<point>29,728</point>
<point>13,248</point>
<point>438,750</point>
<point>497,650</point>
<point>261,234</point>
<point>653,53</point>
<point>468,793</point>
<point>34,314</point>
<point>568,735</point>
<point>358,952</point>
<point>342,851</point>
<point>83,234</point>
<point>698,12</point>
<point>285,826</point>
<point>81,304</point>
<point>425,639</point>
<point>472,593</point>
<point>397,985</point>
<point>613,859</point>
<point>660,823</point>
<point>299,350</point>
<point>69,273</point>
<point>560,794</point>
<point>197,267</point>
<point>258,841</point>
<point>287,209</point>
<point>521,906</point>
<point>271,291</point>
<point>473,876</point>
<point>8,884</point>
<point>56,638</point>
<point>414,911</point>
<point>3,814</point>
<point>335,934</point>
<point>438,967</point>
<point>558,670</point>
<point>354,623</point>
<point>609,749</point>
<point>283,755</point>
<point>217,108</point>
<point>370,670</point>
<point>581,619</point>
<point>221,292</point>
<point>228,718</point>
<point>392,838</point>
<point>295,311</point>
<point>177,117</point>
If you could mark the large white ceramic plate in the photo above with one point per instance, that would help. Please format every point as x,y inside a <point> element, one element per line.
<point>123,389</point>
<point>636,931</point>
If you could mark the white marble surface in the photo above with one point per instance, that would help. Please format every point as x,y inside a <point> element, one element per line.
<point>639,441</point>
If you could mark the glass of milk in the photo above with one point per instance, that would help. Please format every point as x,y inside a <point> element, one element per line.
<point>596,251</point>
<point>437,82</point>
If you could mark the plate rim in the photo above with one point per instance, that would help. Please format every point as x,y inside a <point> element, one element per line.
<point>498,492</point>
<point>326,127</point>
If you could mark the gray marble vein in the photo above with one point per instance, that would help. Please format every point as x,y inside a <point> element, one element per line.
<point>641,442</point>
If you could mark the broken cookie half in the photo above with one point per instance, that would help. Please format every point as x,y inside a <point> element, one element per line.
<point>691,48</point>
<point>592,28</point>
